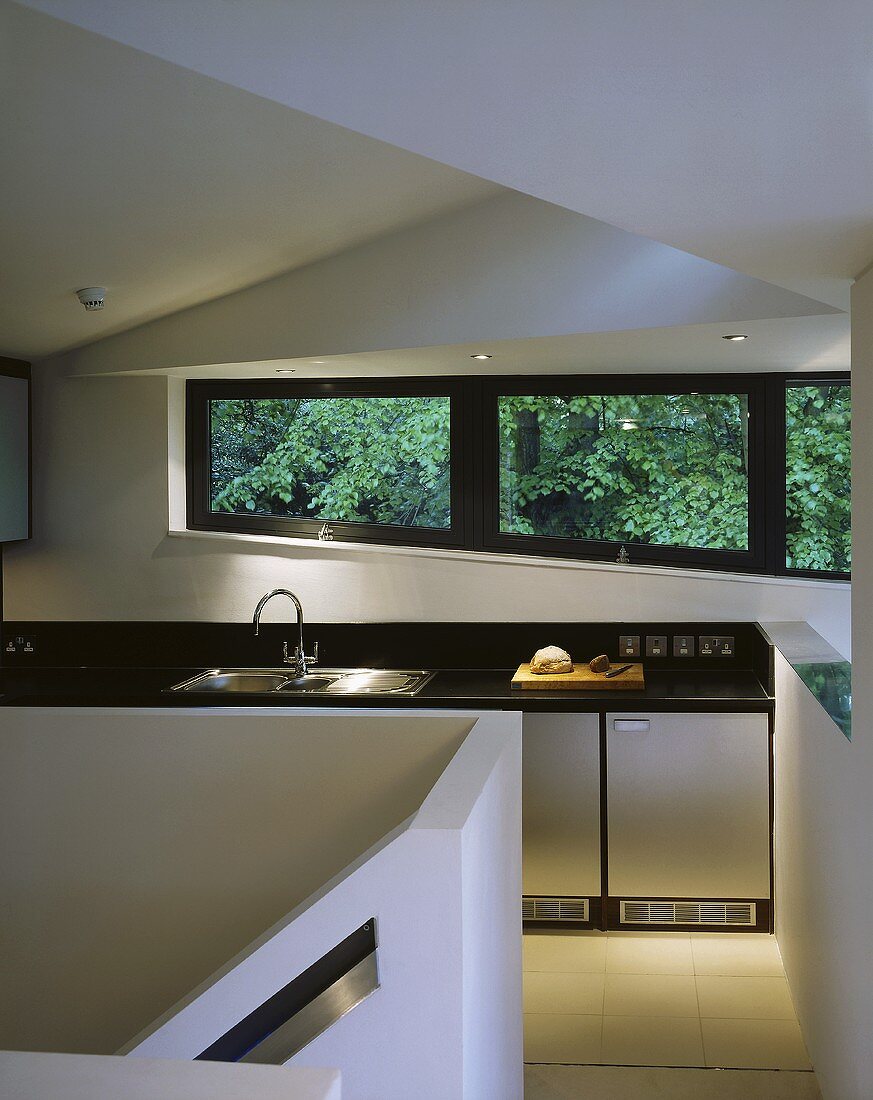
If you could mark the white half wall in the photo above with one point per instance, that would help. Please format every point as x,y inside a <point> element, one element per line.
<point>446,1020</point>
<point>151,846</point>
<point>101,549</point>
<point>30,1076</point>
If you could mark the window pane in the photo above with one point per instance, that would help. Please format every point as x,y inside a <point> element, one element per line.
<point>663,469</point>
<point>818,478</point>
<point>346,459</point>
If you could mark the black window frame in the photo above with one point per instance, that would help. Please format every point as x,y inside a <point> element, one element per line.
<point>474,473</point>
<point>199,394</point>
<point>747,561</point>
<point>784,382</point>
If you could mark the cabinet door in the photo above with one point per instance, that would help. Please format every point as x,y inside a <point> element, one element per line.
<point>561,804</point>
<point>14,458</point>
<point>688,805</point>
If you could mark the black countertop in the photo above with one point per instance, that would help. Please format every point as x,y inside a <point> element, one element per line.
<point>475,689</point>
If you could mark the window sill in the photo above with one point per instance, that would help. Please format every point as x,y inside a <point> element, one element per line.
<point>354,549</point>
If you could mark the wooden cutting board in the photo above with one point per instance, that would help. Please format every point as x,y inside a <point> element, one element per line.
<point>580,679</point>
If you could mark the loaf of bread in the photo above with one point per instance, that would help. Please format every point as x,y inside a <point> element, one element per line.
<point>600,664</point>
<point>551,659</point>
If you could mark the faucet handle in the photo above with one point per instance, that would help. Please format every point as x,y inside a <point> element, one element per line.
<point>296,657</point>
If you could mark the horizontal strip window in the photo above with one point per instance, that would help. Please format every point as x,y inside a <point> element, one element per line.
<point>746,473</point>
<point>652,470</point>
<point>363,461</point>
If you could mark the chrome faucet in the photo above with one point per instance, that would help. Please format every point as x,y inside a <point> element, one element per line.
<point>298,658</point>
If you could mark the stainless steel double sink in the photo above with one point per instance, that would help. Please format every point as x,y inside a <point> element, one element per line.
<point>326,681</point>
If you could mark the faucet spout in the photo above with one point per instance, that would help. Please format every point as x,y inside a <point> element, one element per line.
<point>299,658</point>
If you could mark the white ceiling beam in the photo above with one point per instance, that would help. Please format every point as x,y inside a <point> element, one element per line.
<point>508,268</point>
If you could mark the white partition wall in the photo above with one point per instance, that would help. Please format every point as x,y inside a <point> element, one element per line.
<point>445,890</point>
<point>33,1076</point>
<point>151,846</point>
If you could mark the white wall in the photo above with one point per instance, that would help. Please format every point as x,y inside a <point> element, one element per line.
<point>446,1021</point>
<point>100,548</point>
<point>824,808</point>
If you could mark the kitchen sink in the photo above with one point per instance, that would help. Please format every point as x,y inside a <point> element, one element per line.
<point>326,681</point>
<point>247,680</point>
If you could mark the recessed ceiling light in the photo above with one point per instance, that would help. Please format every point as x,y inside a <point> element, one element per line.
<point>481,355</point>
<point>735,336</point>
<point>284,370</point>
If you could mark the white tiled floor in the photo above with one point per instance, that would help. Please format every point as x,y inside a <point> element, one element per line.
<point>659,999</point>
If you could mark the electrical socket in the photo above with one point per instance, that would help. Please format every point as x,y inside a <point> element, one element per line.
<point>717,645</point>
<point>656,645</point>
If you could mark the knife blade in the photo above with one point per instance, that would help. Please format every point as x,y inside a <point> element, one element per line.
<point>616,671</point>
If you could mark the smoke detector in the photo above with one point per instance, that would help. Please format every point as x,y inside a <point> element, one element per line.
<point>92,297</point>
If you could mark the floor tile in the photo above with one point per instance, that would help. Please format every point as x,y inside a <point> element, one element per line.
<point>562,1037</point>
<point>579,953</point>
<point>651,1041</point>
<point>650,995</point>
<point>736,955</point>
<point>754,1044</point>
<point>656,1083</point>
<point>548,992</point>
<point>746,998</point>
<point>647,955</point>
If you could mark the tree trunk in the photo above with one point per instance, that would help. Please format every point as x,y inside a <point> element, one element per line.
<point>527,457</point>
<point>582,432</point>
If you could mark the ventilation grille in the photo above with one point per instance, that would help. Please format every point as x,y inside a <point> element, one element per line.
<point>689,912</point>
<point>554,909</point>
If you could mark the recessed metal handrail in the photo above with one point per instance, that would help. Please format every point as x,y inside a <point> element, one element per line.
<point>306,1006</point>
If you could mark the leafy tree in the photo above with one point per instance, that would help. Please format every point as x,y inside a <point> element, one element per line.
<point>660,469</point>
<point>818,479</point>
<point>359,460</point>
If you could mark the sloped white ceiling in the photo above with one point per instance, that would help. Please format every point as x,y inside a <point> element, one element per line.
<point>170,188</point>
<point>738,131</point>
<point>134,168</point>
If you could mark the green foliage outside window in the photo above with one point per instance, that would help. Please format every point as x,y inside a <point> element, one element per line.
<point>661,469</point>
<point>646,469</point>
<point>818,478</point>
<point>383,460</point>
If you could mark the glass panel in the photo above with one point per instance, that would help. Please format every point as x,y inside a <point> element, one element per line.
<point>818,478</point>
<point>379,460</point>
<point>662,469</point>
